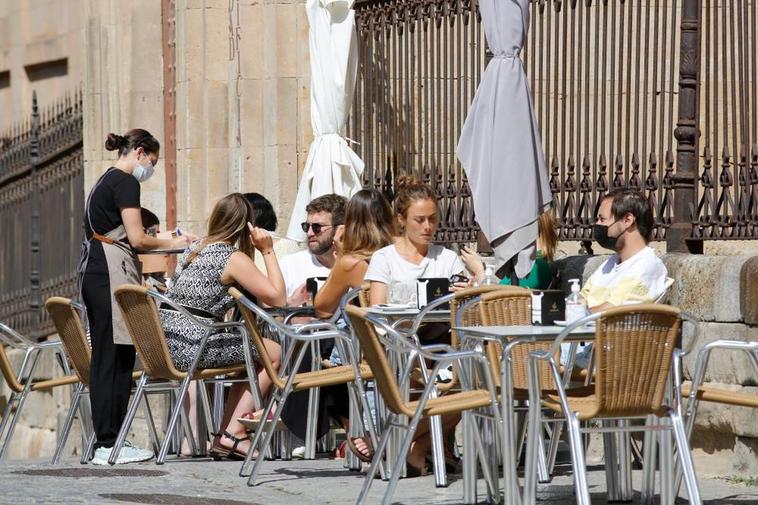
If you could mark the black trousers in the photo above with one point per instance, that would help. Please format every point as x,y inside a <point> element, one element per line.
<point>112,365</point>
<point>334,402</point>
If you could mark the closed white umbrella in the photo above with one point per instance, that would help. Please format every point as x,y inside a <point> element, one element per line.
<point>500,147</point>
<point>331,167</point>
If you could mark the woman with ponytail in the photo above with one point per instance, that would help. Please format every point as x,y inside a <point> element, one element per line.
<point>113,235</point>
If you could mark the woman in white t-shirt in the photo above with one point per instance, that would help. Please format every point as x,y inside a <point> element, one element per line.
<point>412,256</point>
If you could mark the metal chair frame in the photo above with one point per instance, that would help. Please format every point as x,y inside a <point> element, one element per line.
<point>32,351</point>
<point>301,337</point>
<point>80,398</point>
<point>672,412</point>
<point>701,365</point>
<point>442,355</point>
<point>179,391</point>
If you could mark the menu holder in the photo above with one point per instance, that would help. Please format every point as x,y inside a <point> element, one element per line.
<point>313,284</point>
<point>548,306</point>
<point>430,289</point>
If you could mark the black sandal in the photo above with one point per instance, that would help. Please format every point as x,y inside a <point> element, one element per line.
<point>218,452</point>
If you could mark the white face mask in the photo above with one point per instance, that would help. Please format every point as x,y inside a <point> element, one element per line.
<point>143,172</point>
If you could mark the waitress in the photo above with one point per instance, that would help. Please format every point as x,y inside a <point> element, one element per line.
<point>113,231</point>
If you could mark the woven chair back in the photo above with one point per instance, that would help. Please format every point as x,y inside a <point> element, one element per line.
<point>364,299</point>
<point>9,374</point>
<point>505,307</point>
<point>374,354</point>
<point>141,317</point>
<point>633,351</point>
<point>250,320</point>
<point>72,335</point>
<point>471,315</point>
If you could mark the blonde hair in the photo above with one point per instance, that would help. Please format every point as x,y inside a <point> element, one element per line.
<point>409,190</point>
<point>368,224</point>
<point>228,223</point>
<point>548,235</point>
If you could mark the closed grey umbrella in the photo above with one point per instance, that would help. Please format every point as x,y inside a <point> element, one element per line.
<point>500,147</point>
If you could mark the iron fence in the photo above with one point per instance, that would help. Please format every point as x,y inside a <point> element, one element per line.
<point>41,205</point>
<point>614,84</point>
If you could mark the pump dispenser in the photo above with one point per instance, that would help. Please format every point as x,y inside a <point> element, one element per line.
<point>575,306</point>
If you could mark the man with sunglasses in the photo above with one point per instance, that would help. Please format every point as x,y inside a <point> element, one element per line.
<point>324,215</point>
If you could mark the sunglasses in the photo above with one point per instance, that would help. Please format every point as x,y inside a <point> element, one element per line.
<point>316,227</point>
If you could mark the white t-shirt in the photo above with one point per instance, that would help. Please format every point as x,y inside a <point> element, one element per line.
<point>298,267</point>
<point>640,279</point>
<point>389,267</point>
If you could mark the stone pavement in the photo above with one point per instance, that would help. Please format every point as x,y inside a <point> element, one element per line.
<point>323,481</point>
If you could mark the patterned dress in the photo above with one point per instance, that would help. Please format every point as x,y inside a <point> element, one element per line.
<point>198,286</point>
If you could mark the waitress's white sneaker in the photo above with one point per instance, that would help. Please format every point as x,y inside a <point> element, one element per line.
<point>128,454</point>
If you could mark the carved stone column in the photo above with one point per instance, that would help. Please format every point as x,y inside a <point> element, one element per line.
<point>687,133</point>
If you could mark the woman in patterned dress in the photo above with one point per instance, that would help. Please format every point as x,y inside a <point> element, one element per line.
<point>205,272</point>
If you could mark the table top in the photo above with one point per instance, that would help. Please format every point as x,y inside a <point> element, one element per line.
<point>163,251</point>
<point>401,311</point>
<point>522,330</point>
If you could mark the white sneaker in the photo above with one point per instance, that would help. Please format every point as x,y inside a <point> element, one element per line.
<point>298,452</point>
<point>129,454</point>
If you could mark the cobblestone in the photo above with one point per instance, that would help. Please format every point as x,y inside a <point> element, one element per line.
<point>322,481</point>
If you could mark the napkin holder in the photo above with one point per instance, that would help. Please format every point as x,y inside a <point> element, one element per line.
<point>430,289</point>
<point>548,306</point>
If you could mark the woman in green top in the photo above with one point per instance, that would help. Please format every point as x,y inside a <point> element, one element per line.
<point>540,276</point>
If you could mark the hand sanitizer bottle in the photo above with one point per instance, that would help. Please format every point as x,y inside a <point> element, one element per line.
<point>575,306</point>
<point>489,276</point>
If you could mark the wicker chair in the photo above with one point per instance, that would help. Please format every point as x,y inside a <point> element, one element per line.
<point>373,346</point>
<point>364,299</point>
<point>283,385</point>
<point>65,316</point>
<point>140,313</point>
<point>21,384</point>
<point>634,347</point>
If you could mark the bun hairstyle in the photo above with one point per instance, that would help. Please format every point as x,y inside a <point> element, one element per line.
<point>132,140</point>
<point>409,189</point>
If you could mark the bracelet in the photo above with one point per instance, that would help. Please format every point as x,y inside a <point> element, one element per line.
<point>270,251</point>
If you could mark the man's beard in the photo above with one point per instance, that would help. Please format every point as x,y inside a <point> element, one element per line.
<point>322,245</point>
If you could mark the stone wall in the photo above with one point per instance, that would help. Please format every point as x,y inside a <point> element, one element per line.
<point>242,93</point>
<point>40,50</point>
<point>722,293</point>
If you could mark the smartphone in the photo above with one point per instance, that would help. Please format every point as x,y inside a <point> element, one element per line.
<point>458,278</point>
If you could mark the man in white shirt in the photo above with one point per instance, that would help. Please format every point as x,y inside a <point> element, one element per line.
<point>634,274</point>
<point>324,215</point>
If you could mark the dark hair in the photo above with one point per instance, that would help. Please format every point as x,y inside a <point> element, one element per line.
<point>148,218</point>
<point>132,140</point>
<point>631,201</point>
<point>410,189</point>
<point>368,224</point>
<point>265,217</point>
<point>331,203</point>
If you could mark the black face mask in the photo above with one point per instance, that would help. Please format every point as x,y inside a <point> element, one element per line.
<point>600,234</point>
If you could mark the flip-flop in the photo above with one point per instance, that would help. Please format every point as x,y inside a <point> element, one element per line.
<point>366,458</point>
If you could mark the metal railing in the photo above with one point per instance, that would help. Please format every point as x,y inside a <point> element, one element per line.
<point>41,205</point>
<point>626,94</point>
